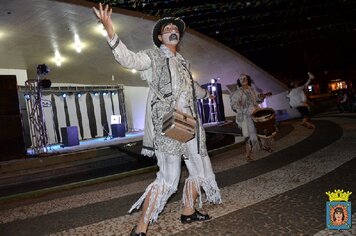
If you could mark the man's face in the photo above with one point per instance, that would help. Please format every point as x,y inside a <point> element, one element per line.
<point>169,34</point>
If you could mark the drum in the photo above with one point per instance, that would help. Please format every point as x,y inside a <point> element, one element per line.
<point>264,120</point>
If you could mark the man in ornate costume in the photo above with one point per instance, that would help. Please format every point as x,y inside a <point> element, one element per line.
<point>244,101</point>
<point>170,86</point>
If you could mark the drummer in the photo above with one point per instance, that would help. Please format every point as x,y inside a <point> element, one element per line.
<point>244,101</point>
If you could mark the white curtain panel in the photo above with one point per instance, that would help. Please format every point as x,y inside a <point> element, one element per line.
<point>72,111</point>
<point>115,100</point>
<point>49,121</point>
<point>108,110</point>
<point>85,119</point>
<point>59,100</point>
<point>96,103</point>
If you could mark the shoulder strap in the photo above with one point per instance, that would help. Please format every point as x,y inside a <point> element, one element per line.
<point>158,94</point>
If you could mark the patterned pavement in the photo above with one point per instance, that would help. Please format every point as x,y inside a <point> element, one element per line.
<point>282,193</point>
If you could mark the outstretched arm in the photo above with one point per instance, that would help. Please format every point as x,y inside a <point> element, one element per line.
<point>201,93</point>
<point>131,60</point>
<point>311,77</point>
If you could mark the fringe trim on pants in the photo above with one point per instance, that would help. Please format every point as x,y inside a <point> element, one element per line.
<point>159,195</point>
<point>209,186</point>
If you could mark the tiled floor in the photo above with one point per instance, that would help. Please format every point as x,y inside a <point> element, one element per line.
<point>282,193</point>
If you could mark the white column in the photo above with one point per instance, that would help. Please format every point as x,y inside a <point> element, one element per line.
<point>59,100</point>
<point>108,110</point>
<point>85,119</point>
<point>115,99</point>
<point>72,111</point>
<point>49,119</point>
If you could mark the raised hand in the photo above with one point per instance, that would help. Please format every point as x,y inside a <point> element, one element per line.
<point>104,16</point>
<point>311,76</point>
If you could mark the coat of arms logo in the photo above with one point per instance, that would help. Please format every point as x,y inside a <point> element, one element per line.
<point>338,210</point>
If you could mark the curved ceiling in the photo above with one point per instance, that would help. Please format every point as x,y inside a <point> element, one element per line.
<point>278,35</point>
<point>281,36</point>
<point>34,31</point>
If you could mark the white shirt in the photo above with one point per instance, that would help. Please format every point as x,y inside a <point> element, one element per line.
<point>297,97</point>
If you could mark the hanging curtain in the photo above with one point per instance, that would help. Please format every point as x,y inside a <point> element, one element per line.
<point>97,111</point>
<point>85,118</point>
<point>108,109</point>
<point>72,111</point>
<point>59,100</point>
<point>115,101</point>
<point>122,106</point>
<point>49,119</point>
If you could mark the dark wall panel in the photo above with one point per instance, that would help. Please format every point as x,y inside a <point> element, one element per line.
<point>11,136</point>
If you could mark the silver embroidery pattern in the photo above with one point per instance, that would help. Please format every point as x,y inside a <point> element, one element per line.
<point>161,82</point>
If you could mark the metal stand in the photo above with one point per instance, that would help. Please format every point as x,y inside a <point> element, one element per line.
<point>213,112</point>
<point>213,116</point>
<point>38,130</point>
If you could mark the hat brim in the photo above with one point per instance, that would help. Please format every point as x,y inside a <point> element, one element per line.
<point>164,21</point>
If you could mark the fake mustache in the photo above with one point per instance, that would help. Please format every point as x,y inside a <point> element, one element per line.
<point>173,37</point>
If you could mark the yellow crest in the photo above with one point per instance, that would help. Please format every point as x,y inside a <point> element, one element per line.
<point>338,195</point>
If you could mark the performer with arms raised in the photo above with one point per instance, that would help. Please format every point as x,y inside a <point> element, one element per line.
<point>168,76</point>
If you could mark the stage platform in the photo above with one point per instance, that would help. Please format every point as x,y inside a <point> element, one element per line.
<point>92,144</point>
<point>94,158</point>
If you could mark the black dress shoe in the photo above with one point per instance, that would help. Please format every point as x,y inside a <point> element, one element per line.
<point>196,216</point>
<point>133,232</point>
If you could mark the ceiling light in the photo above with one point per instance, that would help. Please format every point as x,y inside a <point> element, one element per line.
<point>77,44</point>
<point>100,28</point>
<point>58,58</point>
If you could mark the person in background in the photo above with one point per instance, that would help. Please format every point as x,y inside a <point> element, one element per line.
<point>298,100</point>
<point>244,101</point>
<point>342,101</point>
<point>170,86</point>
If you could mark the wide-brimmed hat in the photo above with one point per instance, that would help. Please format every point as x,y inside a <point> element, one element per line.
<point>164,21</point>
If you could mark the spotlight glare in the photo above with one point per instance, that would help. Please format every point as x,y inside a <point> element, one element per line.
<point>101,30</point>
<point>58,58</point>
<point>213,81</point>
<point>77,44</point>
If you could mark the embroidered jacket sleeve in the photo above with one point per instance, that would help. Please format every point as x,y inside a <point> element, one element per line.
<point>234,101</point>
<point>200,93</point>
<point>125,57</point>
